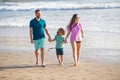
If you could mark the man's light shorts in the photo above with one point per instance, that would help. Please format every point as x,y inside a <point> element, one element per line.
<point>40,43</point>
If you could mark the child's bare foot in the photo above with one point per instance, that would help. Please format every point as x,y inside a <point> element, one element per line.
<point>78,62</point>
<point>61,63</point>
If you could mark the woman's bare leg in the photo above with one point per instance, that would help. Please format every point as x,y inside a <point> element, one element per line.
<point>73,44</point>
<point>78,45</point>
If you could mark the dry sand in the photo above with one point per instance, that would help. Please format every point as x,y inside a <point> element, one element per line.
<point>20,65</point>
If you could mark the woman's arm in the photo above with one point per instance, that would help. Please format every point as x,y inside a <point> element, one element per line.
<point>68,33</point>
<point>82,31</point>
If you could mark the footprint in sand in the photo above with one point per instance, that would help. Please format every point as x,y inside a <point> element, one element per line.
<point>39,78</point>
<point>8,53</point>
<point>3,59</point>
<point>50,49</point>
<point>3,77</point>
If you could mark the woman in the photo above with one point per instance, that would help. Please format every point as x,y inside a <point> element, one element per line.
<point>77,33</point>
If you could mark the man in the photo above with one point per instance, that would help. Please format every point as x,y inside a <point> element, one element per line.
<point>37,35</point>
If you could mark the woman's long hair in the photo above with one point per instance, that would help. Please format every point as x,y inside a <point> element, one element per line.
<point>72,21</point>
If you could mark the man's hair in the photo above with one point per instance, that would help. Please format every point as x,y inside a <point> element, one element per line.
<point>37,10</point>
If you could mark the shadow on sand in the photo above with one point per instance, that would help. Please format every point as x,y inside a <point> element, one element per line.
<point>33,66</point>
<point>18,66</point>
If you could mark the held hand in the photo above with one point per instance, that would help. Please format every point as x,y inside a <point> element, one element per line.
<point>65,41</point>
<point>32,41</point>
<point>49,39</point>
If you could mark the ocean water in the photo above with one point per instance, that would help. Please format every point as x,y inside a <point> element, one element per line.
<point>95,15</point>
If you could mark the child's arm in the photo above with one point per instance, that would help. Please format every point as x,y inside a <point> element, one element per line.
<point>52,40</point>
<point>67,37</point>
<point>63,40</point>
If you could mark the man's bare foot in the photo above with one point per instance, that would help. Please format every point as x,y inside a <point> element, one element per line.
<point>37,62</point>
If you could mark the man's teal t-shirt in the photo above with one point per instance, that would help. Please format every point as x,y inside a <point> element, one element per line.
<point>59,41</point>
<point>38,28</point>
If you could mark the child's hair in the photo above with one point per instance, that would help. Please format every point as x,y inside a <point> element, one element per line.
<point>72,21</point>
<point>61,30</point>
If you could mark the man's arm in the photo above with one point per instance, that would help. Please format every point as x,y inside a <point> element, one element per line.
<point>31,35</point>
<point>49,37</point>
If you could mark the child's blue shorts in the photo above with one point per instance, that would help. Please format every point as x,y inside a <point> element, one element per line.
<point>59,51</point>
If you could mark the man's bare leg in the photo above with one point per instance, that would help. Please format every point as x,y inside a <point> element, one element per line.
<point>42,57</point>
<point>37,56</point>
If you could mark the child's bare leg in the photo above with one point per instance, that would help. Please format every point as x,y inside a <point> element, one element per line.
<point>58,57</point>
<point>37,56</point>
<point>61,56</point>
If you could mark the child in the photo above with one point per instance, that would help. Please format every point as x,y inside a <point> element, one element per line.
<point>59,45</point>
<point>77,33</point>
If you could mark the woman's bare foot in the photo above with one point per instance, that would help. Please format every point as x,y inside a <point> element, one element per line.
<point>43,66</point>
<point>75,64</point>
